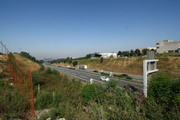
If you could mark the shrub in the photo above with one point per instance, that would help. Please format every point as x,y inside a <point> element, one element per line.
<point>105,74</point>
<point>112,84</point>
<point>160,89</point>
<point>12,103</point>
<point>89,93</point>
<point>165,92</point>
<point>128,77</point>
<point>153,111</point>
<point>42,68</point>
<point>37,78</point>
<point>51,71</point>
<point>74,63</point>
<point>48,71</point>
<point>72,68</point>
<point>101,60</point>
<point>44,100</point>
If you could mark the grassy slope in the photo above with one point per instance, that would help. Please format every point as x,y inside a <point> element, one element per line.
<point>133,65</point>
<point>26,64</point>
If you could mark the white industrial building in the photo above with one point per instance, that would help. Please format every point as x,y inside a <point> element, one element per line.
<point>104,55</point>
<point>168,46</point>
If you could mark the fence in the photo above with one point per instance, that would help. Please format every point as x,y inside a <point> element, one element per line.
<point>20,79</point>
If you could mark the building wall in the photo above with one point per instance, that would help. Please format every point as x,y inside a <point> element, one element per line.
<point>166,46</point>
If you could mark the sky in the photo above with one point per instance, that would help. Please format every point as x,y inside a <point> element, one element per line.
<point>74,28</point>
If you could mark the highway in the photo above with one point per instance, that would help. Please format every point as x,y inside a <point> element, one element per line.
<point>87,75</point>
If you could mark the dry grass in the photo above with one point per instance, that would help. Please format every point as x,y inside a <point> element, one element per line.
<point>170,66</point>
<point>119,65</point>
<point>25,64</point>
<point>133,65</point>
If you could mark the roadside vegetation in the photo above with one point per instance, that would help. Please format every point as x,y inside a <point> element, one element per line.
<point>70,99</point>
<point>169,63</point>
<point>12,103</point>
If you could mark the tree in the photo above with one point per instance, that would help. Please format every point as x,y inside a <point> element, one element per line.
<point>125,53</point>
<point>144,51</point>
<point>88,56</point>
<point>137,52</point>
<point>119,53</point>
<point>70,60</point>
<point>28,56</point>
<point>132,52</point>
<point>74,63</point>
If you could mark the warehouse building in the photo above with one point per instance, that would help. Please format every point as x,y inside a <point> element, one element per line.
<point>168,46</point>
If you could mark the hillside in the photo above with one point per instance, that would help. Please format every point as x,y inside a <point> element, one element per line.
<point>26,64</point>
<point>132,65</point>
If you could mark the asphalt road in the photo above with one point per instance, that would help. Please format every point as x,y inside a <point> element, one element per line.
<point>86,76</point>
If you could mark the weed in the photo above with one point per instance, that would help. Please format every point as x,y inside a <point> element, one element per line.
<point>104,74</point>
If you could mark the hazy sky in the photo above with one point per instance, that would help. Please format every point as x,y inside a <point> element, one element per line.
<point>61,28</point>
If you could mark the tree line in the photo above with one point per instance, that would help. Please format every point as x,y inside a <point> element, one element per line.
<point>136,52</point>
<point>30,57</point>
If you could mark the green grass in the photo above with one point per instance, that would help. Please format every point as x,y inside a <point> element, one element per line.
<point>12,103</point>
<point>70,99</point>
<point>72,68</point>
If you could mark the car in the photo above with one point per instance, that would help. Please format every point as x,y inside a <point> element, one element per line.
<point>103,78</point>
<point>125,75</point>
<point>95,71</point>
<point>101,71</point>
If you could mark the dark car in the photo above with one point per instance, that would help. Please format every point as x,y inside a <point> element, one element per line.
<point>95,71</point>
<point>125,75</point>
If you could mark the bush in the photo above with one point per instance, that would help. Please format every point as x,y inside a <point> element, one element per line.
<point>42,68</point>
<point>37,79</point>
<point>165,92</point>
<point>128,77</point>
<point>12,103</point>
<point>72,68</point>
<point>74,63</point>
<point>160,89</point>
<point>51,71</point>
<point>121,76</point>
<point>112,84</point>
<point>105,74</point>
<point>44,100</point>
<point>101,60</point>
<point>48,100</point>
<point>89,92</point>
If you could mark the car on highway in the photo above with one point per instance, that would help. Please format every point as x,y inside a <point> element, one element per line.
<point>103,78</point>
<point>101,71</point>
<point>124,75</point>
<point>95,71</point>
